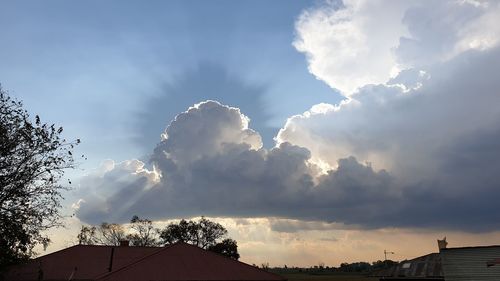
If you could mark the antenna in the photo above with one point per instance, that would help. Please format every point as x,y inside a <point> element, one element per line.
<point>385,254</point>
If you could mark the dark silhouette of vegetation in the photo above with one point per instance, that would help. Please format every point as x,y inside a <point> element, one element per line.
<point>363,268</point>
<point>33,158</point>
<point>203,233</point>
<point>227,247</point>
<point>355,267</point>
<point>145,234</point>
<point>104,234</point>
<point>379,265</point>
<point>142,233</point>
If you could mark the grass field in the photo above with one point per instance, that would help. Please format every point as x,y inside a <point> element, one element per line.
<point>327,277</point>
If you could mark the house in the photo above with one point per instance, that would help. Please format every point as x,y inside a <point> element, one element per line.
<point>180,261</point>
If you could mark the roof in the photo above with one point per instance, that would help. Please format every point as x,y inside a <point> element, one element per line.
<point>183,261</point>
<point>82,262</point>
<point>177,262</point>
<point>424,267</point>
<point>470,247</point>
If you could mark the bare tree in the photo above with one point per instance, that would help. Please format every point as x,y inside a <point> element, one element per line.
<point>144,233</point>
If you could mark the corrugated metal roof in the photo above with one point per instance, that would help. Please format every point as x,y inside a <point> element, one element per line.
<point>177,262</point>
<point>182,261</point>
<point>471,263</point>
<point>424,267</point>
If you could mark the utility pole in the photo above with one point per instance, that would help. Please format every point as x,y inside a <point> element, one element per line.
<point>385,254</point>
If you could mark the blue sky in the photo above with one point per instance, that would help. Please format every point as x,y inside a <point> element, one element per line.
<point>109,73</point>
<point>374,124</point>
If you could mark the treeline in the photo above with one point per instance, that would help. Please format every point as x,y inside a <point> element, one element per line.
<point>321,269</point>
<point>203,233</point>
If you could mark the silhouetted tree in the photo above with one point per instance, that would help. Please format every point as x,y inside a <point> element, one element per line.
<point>33,158</point>
<point>203,233</point>
<point>355,267</point>
<point>227,247</point>
<point>88,235</point>
<point>378,265</point>
<point>105,234</point>
<point>111,233</point>
<point>145,234</point>
<point>141,233</point>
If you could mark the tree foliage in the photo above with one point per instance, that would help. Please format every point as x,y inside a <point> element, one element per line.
<point>33,158</point>
<point>144,232</point>
<point>203,233</point>
<point>104,234</point>
<point>227,247</point>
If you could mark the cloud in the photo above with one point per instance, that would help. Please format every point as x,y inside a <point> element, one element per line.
<point>211,163</point>
<point>194,134</point>
<point>205,81</point>
<point>294,226</point>
<point>437,142</point>
<point>359,42</point>
<point>418,150</point>
<point>445,29</point>
<point>110,190</point>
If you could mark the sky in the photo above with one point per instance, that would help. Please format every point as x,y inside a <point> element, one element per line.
<point>314,131</point>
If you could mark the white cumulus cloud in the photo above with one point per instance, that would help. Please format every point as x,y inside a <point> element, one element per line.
<point>359,42</point>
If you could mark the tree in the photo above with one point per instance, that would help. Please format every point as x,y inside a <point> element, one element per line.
<point>145,234</point>
<point>204,234</point>
<point>228,247</point>
<point>111,234</point>
<point>33,158</point>
<point>355,267</point>
<point>88,235</point>
<point>379,265</point>
<point>104,234</point>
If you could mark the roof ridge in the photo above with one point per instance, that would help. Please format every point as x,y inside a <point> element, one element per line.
<point>470,247</point>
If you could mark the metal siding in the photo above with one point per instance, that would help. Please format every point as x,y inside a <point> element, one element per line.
<point>470,264</point>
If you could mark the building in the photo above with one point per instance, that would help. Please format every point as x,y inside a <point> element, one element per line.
<point>426,267</point>
<point>451,264</point>
<point>179,262</point>
<point>471,263</point>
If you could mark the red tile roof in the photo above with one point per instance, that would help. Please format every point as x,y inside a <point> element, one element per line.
<point>178,262</point>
